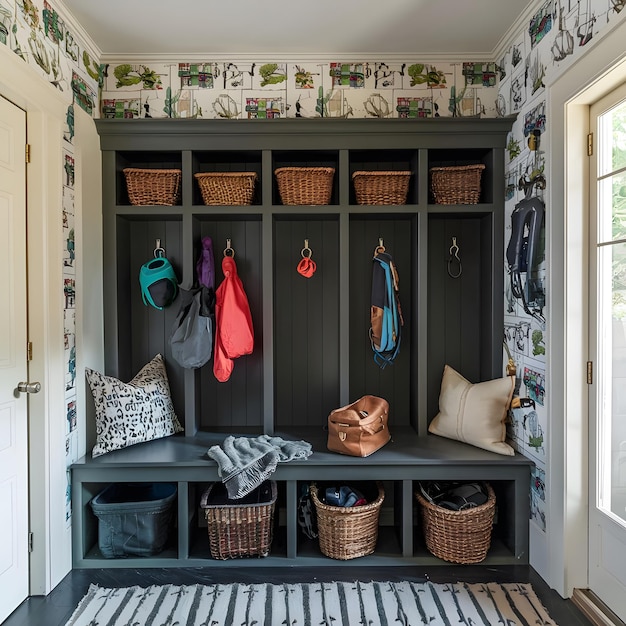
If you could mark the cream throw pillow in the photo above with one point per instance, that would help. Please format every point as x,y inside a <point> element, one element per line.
<point>474,413</point>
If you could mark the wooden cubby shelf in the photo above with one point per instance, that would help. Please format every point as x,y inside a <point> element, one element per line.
<point>312,351</point>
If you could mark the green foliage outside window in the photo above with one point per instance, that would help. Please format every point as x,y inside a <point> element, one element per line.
<point>619,211</point>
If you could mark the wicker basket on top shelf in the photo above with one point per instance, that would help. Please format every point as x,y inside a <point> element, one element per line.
<point>227,188</point>
<point>347,532</point>
<point>380,187</point>
<point>148,187</point>
<point>459,184</point>
<point>305,185</point>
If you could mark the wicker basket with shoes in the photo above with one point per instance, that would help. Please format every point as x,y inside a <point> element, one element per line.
<point>148,187</point>
<point>347,532</point>
<point>242,527</point>
<point>458,536</point>
<point>458,184</point>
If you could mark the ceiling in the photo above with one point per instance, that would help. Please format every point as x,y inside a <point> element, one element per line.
<point>292,29</point>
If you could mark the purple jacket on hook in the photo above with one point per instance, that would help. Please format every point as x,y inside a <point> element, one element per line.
<point>205,267</point>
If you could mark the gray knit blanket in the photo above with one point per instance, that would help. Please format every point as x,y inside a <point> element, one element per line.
<point>243,463</point>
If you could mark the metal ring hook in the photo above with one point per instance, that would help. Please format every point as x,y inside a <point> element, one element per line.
<point>454,257</point>
<point>380,247</point>
<point>228,251</point>
<point>306,252</point>
<point>158,250</point>
<point>307,266</point>
<point>454,249</point>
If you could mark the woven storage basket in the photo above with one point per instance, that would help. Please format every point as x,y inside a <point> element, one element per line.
<point>227,188</point>
<point>456,185</point>
<point>305,185</point>
<point>458,536</point>
<point>152,186</point>
<point>239,530</point>
<point>347,532</point>
<point>381,187</point>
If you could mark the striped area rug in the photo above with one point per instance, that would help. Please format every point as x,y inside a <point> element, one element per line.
<point>319,604</point>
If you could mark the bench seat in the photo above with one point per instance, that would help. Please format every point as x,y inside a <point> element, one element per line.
<point>406,459</point>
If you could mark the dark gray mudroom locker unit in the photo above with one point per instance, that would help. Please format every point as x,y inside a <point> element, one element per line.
<point>312,351</point>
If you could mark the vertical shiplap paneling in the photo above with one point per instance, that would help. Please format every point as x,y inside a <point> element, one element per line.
<point>306,323</point>
<point>150,328</point>
<point>455,310</point>
<point>366,377</point>
<point>237,403</point>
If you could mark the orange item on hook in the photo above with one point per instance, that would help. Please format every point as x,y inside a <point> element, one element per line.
<point>307,267</point>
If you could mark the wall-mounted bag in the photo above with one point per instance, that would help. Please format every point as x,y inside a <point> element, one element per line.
<point>191,339</point>
<point>360,428</point>
<point>385,311</point>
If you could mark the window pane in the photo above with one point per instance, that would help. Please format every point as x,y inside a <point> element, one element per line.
<point>619,136</point>
<point>612,140</point>
<point>612,208</point>
<point>612,377</point>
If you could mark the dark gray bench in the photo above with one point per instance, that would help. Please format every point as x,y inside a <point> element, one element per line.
<point>401,464</point>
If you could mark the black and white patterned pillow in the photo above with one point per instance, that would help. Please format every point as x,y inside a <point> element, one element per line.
<point>134,412</point>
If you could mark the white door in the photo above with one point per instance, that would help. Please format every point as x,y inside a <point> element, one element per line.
<point>607,424</point>
<point>13,361</point>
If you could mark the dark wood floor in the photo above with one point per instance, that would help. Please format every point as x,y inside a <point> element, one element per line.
<point>56,608</point>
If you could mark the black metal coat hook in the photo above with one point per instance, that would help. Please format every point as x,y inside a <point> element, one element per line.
<point>455,268</point>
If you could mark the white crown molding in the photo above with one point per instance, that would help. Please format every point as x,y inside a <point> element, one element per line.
<point>77,30</point>
<point>264,57</point>
<point>519,25</point>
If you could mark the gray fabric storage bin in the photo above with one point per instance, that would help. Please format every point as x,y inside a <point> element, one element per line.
<point>134,519</point>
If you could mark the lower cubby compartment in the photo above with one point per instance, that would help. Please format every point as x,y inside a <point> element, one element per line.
<point>504,541</point>
<point>128,521</point>
<point>347,516</point>
<point>134,519</point>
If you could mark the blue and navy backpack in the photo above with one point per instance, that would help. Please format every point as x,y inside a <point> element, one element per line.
<point>385,314</point>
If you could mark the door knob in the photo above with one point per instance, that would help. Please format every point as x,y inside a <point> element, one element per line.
<point>29,387</point>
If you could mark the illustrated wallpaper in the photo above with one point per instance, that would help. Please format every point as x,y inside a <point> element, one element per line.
<point>242,90</point>
<point>36,33</point>
<point>557,33</point>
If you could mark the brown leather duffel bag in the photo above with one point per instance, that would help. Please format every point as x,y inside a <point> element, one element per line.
<point>360,428</point>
